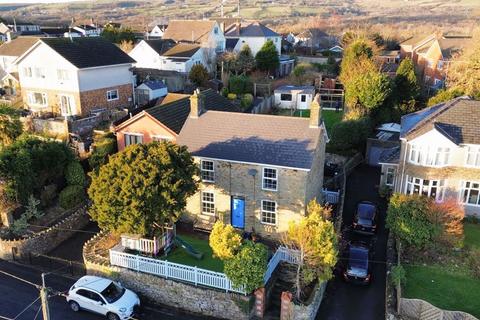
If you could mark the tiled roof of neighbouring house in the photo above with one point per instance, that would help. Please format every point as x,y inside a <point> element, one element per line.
<point>189,30</point>
<point>88,52</point>
<point>173,111</point>
<point>231,43</point>
<point>252,29</point>
<point>18,46</point>
<point>391,155</point>
<point>182,50</point>
<point>453,45</point>
<point>155,84</point>
<point>160,46</point>
<point>456,119</point>
<point>252,138</point>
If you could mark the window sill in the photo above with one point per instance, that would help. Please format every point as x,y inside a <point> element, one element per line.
<point>268,224</point>
<point>208,181</point>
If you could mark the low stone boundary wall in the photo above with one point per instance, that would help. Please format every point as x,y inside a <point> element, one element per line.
<point>422,310</point>
<point>195,299</point>
<point>46,240</point>
<point>309,310</point>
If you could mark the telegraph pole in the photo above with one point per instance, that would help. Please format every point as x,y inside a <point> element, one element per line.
<point>44,299</point>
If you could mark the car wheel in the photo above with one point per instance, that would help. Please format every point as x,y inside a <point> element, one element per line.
<point>112,316</point>
<point>74,306</point>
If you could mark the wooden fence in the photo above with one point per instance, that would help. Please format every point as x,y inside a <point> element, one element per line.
<point>330,196</point>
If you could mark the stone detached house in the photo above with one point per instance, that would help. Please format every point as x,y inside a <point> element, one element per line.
<point>71,77</point>
<point>439,156</point>
<point>165,120</point>
<point>257,172</point>
<point>432,56</point>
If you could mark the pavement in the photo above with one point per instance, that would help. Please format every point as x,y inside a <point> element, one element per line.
<point>345,301</point>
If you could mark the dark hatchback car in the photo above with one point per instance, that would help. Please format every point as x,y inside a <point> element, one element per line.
<point>358,269</point>
<point>365,219</point>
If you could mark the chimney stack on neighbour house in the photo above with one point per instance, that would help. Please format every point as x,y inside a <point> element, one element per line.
<point>315,112</point>
<point>196,104</point>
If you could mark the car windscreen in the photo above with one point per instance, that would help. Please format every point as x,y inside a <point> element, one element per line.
<point>113,292</point>
<point>366,211</point>
<point>358,258</point>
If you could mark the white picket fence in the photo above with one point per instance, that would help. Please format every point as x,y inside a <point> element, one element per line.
<point>190,274</point>
<point>330,196</point>
<point>172,270</point>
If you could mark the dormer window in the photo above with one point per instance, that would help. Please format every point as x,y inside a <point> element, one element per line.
<point>207,169</point>
<point>270,179</point>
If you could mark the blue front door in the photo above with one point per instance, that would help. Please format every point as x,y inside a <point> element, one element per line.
<point>238,212</point>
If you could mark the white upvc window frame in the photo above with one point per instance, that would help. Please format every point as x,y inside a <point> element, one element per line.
<point>33,102</point>
<point>425,190</point>
<point>390,171</point>
<point>207,171</point>
<point>28,72</point>
<point>266,215</point>
<point>63,74</point>
<point>161,138</point>
<point>39,72</point>
<point>207,203</point>
<point>126,135</point>
<point>472,158</point>
<point>429,156</point>
<point>466,192</point>
<point>109,98</point>
<point>268,179</point>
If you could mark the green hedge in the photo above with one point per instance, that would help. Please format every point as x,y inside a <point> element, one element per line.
<point>74,174</point>
<point>240,84</point>
<point>350,134</point>
<point>71,196</point>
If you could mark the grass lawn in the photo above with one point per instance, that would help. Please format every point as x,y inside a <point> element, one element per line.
<point>329,116</point>
<point>472,235</point>
<point>179,255</point>
<point>444,289</point>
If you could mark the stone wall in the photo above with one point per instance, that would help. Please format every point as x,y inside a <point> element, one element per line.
<point>422,310</point>
<point>310,308</point>
<point>46,240</point>
<point>96,99</point>
<point>195,299</point>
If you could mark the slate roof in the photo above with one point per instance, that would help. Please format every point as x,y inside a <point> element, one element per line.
<point>231,43</point>
<point>160,45</point>
<point>189,30</point>
<point>252,29</point>
<point>182,50</point>
<point>173,111</point>
<point>391,155</point>
<point>155,84</point>
<point>300,89</point>
<point>253,138</point>
<point>456,119</point>
<point>18,46</point>
<point>87,52</point>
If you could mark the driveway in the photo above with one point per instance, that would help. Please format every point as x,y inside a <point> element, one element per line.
<point>345,301</point>
<point>71,249</point>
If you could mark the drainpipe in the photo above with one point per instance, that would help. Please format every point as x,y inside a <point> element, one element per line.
<point>403,165</point>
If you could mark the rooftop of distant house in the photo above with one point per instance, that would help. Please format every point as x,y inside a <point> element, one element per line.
<point>298,89</point>
<point>18,46</point>
<point>182,50</point>
<point>161,45</point>
<point>189,30</point>
<point>249,29</point>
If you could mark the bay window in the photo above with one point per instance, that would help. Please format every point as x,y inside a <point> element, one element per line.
<point>425,187</point>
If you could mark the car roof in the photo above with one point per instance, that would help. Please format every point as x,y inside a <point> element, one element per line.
<point>366,209</point>
<point>93,283</point>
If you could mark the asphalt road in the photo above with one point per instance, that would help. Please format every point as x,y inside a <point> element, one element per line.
<point>345,301</point>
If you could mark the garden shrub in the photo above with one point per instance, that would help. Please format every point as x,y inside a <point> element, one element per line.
<point>350,134</point>
<point>48,194</point>
<point>247,100</point>
<point>224,92</point>
<point>239,84</point>
<point>232,96</point>
<point>104,146</point>
<point>224,240</point>
<point>71,196</point>
<point>74,174</point>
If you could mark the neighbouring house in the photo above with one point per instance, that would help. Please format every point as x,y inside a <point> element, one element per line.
<point>9,52</point>
<point>88,30</point>
<point>389,60</point>
<point>294,97</point>
<point>158,31</point>
<point>253,34</point>
<point>148,53</point>
<point>183,57</point>
<point>385,143</point>
<point>439,156</point>
<point>175,81</point>
<point>5,33</point>
<point>206,33</point>
<point>150,90</point>
<point>165,120</point>
<point>303,39</point>
<point>258,172</point>
<point>72,77</point>
<point>336,49</point>
<point>20,28</point>
<point>432,56</point>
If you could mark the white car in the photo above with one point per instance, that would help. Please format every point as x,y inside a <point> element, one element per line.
<point>103,296</point>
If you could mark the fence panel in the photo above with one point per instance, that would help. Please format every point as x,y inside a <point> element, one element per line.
<point>330,196</point>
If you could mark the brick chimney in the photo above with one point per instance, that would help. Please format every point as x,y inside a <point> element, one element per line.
<point>196,104</point>
<point>315,112</point>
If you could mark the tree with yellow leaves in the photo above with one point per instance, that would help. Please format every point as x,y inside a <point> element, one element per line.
<point>224,240</point>
<point>315,239</point>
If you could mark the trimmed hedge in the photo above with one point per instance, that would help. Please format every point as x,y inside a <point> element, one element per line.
<point>74,174</point>
<point>71,196</point>
<point>240,84</point>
